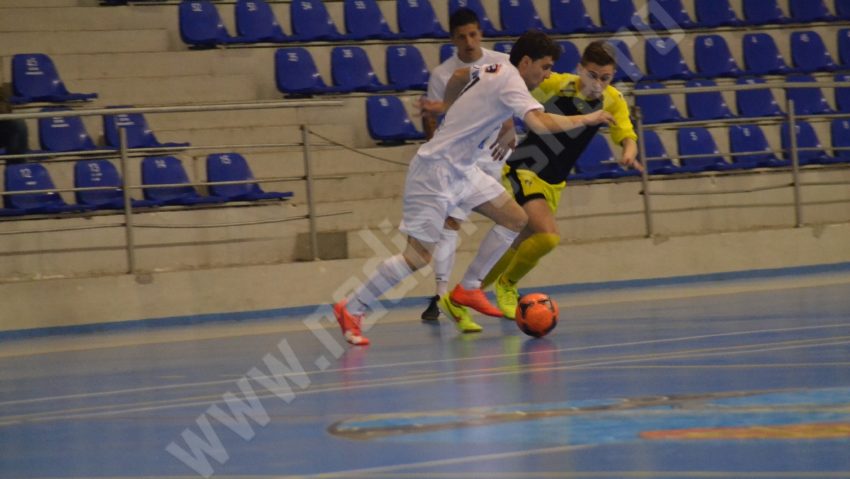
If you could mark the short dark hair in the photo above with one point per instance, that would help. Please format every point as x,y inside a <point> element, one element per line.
<point>535,45</point>
<point>600,53</point>
<point>462,16</point>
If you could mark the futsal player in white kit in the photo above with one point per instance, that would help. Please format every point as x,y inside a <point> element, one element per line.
<point>465,34</point>
<point>443,174</point>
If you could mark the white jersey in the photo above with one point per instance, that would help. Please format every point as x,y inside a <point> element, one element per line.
<point>437,91</point>
<point>494,93</point>
<point>440,75</point>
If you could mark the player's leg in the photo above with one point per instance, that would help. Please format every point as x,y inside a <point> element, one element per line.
<point>443,261</point>
<point>539,238</point>
<point>510,219</point>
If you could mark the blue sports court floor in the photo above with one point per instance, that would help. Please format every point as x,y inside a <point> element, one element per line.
<point>747,381</point>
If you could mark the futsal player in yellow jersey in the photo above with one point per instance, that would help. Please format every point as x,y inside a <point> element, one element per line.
<point>536,172</point>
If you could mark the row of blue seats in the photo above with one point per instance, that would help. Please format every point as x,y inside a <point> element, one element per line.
<point>201,24</point>
<point>159,170</point>
<point>698,151</point>
<point>68,133</point>
<point>757,103</point>
<point>388,123</point>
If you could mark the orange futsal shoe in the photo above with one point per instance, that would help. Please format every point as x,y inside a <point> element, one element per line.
<point>475,299</point>
<point>350,325</point>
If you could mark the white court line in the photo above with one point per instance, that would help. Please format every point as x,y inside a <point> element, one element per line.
<point>425,362</point>
<point>446,462</point>
<point>98,411</point>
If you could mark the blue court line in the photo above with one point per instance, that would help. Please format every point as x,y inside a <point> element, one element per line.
<point>301,311</point>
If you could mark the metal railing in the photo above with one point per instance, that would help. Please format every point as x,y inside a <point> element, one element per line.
<point>793,150</point>
<point>125,153</point>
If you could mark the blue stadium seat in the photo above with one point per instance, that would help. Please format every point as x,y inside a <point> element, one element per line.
<point>807,101</point>
<point>569,59</point>
<point>809,54</point>
<point>840,130</point>
<point>487,27</point>
<point>756,103</point>
<point>706,105</point>
<point>664,60</point>
<point>351,70</point>
<point>102,174</point>
<point>806,11</point>
<point>844,48</point>
<point>657,161</point>
<point>63,133</point>
<point>168,170</point>
<point>627,70</point>
<point>139,133</point>
<point>716,13</point>
<point>713,58</point>
<point>616,15</point>
<point>363,19</point>
<point>447,51</point>
<point>570,16</point>
<point>763,12</point>
<point>201,25</point>
<point>842,9</point>
<point>388,121</point>
<point>750,139</point>
<point>806,139</point>
<point>296,74</point>
<point>256,22</point>
<point>669,15</point>
<point>518,16</point>
<point>656,108</point>
<point>417,19</point>
<point>698,143</point>
<point>842,94</point>
<point>224,167</point>
<point>597,161</point>
<point>762,57</point>
<point>31,177</point>
<point>35,79</point>
<point>406,69</point>
<point>503,47</point>
<point>311,22</point>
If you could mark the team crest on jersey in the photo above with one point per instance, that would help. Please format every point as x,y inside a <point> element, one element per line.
<point>494,68</point>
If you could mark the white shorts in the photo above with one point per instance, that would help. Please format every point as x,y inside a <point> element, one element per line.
<point>433,188</point>
<point>490,168</point>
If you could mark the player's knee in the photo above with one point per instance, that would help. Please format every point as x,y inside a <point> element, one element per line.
<point>417,258</point>
<point>547,241</point>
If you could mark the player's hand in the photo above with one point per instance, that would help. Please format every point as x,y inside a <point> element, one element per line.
<point>598,117</point>
<point>431,108</point>
<point>504,144</point>
<point>631,161</point>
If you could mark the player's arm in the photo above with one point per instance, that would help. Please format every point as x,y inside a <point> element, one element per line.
<point>430,110</point>
<point>542,123</point>
<point>454,87</point>
<point>505,142</point>
<point>629,157</point>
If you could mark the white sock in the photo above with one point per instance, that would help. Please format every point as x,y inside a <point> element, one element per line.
<point>494,245</point>
<point>444,259</point>
<point>388,274</point>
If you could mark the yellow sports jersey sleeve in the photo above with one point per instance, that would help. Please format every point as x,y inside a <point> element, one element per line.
<point>616,105</point>
<point>551,86</point>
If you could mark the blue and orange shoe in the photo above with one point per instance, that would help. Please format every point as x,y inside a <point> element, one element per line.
<point>475,299</point>
<point>350,325</point>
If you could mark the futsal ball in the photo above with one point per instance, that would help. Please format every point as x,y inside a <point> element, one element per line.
<point>536,314</point>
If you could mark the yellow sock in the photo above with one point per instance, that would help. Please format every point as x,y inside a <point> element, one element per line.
<point>528,254</point>
<point>498,268</point>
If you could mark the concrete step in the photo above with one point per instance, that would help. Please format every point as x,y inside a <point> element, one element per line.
<point>44,4</point>
<point>39,16</point>
<point>59,41</point>
<point>171,90</point>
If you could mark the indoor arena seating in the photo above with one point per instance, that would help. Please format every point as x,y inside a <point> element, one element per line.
<point>102,174</point>
<point>158,68</point>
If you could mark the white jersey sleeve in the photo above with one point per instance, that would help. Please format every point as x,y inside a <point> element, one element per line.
<point>493,94</point>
